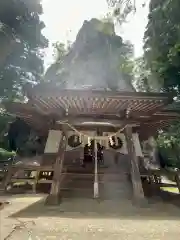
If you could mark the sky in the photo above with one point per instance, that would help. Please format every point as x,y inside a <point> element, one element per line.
<point>63,19</point>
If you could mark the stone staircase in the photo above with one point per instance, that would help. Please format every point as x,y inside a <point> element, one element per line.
<point>115,181</point>
<point>78,182</point>
<point>113,176</point>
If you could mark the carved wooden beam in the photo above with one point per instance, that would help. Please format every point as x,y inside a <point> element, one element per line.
<point>89,121</point>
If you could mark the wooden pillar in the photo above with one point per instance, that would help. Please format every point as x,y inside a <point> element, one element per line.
<point>54,197</point>
<point>134,167</point>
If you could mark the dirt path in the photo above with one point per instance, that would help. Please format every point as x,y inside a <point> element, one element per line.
<point>79,219</point>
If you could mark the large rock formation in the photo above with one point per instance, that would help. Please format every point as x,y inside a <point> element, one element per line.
<point>93,61</point>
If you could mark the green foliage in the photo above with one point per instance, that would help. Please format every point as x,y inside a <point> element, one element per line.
<point>126,61</point>
<point>141,76</point>
<point>60,51</point>
<point>21,55</point>
<point>121,9</point>
<point>4,155</point>
<point>106,26</point>
<point>21,44</point>
<point>169,145</point>
<point>144,80</point>
<point>4,122</point>
<point>162,43</point>
<point>162,60</point>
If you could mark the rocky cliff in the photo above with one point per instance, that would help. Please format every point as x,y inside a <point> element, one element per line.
<point>93,61</point>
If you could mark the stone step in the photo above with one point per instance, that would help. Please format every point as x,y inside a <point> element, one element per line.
<point>77,193</point>
<point>101,169</point>
<point>88,183</point>
<point>89,193</point>
<point>109,188</point>
<point>101,176</point>
<point>75,184</point>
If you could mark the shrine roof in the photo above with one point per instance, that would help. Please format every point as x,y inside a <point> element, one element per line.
<point>48,90</point>
<point>47,102</point>
<point>50,98</point>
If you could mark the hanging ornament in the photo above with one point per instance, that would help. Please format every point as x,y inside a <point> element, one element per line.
<point>116,146</point>
<point>76,138</point>
<point>111,141</point>
<point>116,140</point>
<point>73,141</point>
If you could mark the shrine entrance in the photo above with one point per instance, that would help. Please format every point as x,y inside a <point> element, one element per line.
<point>58,112</point>
<point>89,154</point>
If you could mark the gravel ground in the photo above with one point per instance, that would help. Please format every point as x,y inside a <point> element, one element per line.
<point>78,219</point>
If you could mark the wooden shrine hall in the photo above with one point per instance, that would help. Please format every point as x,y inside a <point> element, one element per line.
<point>116,121</point>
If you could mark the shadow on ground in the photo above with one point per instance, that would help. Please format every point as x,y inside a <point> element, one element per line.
<point>90,208</point>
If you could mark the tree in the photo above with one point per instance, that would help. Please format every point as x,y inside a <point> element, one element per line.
<point>162,57</point>
<point>144,81</point>
<point>21,55</point>
<point>121,9</point>
<point>127,62</point>
<point>141,76</point>
<point>21,45</point>
<point>162,47</point>
<point>169,145</point>
<point>60,51</point>
<point>4,121</point>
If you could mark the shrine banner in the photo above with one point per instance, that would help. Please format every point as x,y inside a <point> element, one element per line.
<point>53,141</point>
